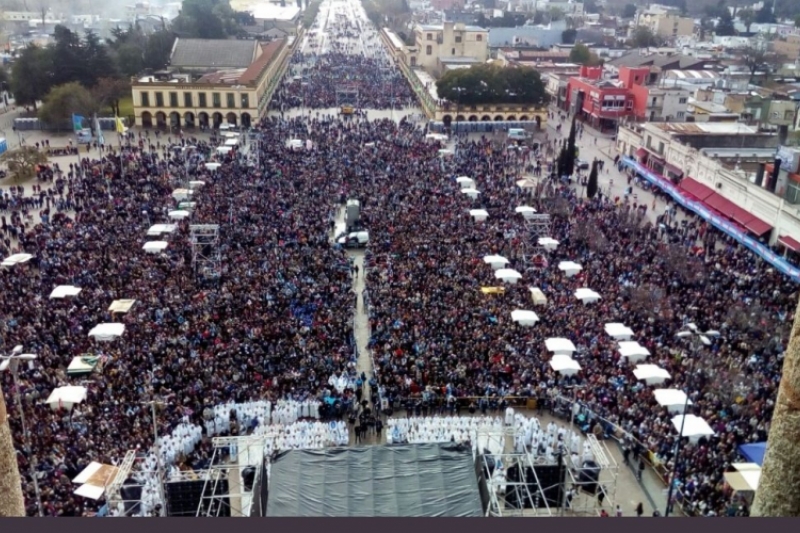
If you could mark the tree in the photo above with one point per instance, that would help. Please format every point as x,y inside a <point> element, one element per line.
<point>568,36</point>
<point>158,49</point>
<point>797,21</point>
<point>31,75</point>
<point>130,59</point>
<point>629,11</point>
<point>747,17</point>
<point>765,14</point>
<point>12,503</point>
<point>556,14</point>
<point>569,158</point>
<point>591,7</point>
<point>757,57</point>
<point>65,100</point>
<point>591,185</point>
<point>724,26</point>
<point>493,84</point>
<point>643,37</point>
<point>109,91</point>
<point>22,162</point>
<point>580,54</point>
<point>98,62</point>
<point>68,56</point>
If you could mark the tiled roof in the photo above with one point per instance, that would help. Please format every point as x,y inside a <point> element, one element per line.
<point>213,53</point>
<point>268,53</point>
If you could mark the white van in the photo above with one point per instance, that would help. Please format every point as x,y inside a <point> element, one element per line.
<point>355,239</point>
<point>518,134</point>
<point>83,136</point>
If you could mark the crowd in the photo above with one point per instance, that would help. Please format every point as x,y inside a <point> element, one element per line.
<point>276,325</point>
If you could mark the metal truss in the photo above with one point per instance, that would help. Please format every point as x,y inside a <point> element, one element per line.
<point>231,456</point>
<point>117,502</point>
<point>507,498</point>
<point>206,254</point>
<point>584,502</point>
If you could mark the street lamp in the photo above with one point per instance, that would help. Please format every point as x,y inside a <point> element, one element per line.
<point>11,361</point>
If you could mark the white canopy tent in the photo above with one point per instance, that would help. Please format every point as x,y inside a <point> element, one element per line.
<point>569,268</point>
<point>479,214</point>
<point>745,478</point>
<point>675,400</point>
<point>232,142</point>
<point>178,214</point>
<point>538,296</point>
<point>471,192</point>
<point>94,479</point>
<point>587,296</point>
<point>196,184</point>
<point>694,427</point>
<point>560,346</point>
<point>633,351</point>
<point>158,229</point>
<point>212,166</point>
<point>445,152</point>
<point>619,332</point>
<point>182,194</point>
<point>548,244</point>
<point>121,306</point>
<point>497,261</point>
<point>154,247</point>
<point>651,374</point>
<point>108,331</point>
<point>526,211</point>
<point>507,275</point>
<point>66,397</point>
<point>16,259</point>
<point>82,365</point>
<point>465,182</point>
<point>565,365</point>
<point>524,318</point>
<point>526,184</point>
<point>63,291</point>
<point>224,150</point>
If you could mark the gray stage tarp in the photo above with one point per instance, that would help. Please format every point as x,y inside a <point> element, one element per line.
<point>412,480</point>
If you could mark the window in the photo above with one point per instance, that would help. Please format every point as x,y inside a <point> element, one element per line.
<point>430,37</point>
<point>458,38</point>
<point>479,37</point>
<point>201,100</point>
<point>245,100</point>
<point>231,100</point>
<point>429,50</point>
<point>452,51</point>
<point>682,100</point>
<point>661,148</point>
<point>655,100</point>
<point>159,99</point>
<point>792,194</point>
<point>145,98</point>
<point>216,101</point>
<point>187,100</point>
<point>680,114</point>
<point>173,99</point>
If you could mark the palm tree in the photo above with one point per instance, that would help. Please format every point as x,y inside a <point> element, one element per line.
<point>11,501</point>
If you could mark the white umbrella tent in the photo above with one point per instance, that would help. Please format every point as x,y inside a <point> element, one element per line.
<point>526,211</point>
<point>694,427</point>
<point>471,192</point>
<point>16,259</point>
<point>675,400</point>
<point>587,296</point>
<point>479,215</point>
<point>507,275</point>
<point>178,214</point>
<point>465,182</point>
<point>569,268</point>
<point>64,291</point>
<point>497,261</point>
<point>633,351</point>
<point>618,332</point>
<point>565,365</point>
<point>560,346</point>
<point>548,244</point>
<point>154,247</point>
<point>158,229</point>
<point>651,374</point>
<point>524,318</point>
<point>107,331</point>
<point>66,397</point>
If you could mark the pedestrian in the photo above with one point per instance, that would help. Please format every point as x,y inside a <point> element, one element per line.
<point>639,510</point>
<point>600,497</point>
<point>618,511</point>
<point>640,471</point>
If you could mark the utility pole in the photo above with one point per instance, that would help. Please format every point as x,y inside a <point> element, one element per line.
<point>11,501</point>
<point>778,491</point>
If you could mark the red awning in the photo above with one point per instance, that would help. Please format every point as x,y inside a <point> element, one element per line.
<point>640,153</point>
<point>790,243</point>
<point>721,204</point>
<point>696,189</point>
<point>758,227</point>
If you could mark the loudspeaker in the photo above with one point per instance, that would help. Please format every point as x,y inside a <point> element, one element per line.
<point>588,476</point>
<point>248,477</point>
<point>131,493</point>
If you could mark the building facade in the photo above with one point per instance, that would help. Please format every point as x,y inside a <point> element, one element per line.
<point>449,40</point>
<point>235,96</point>
<point>664,23</point>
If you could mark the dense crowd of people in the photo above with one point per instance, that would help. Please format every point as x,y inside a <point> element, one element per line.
<point>277,323</point>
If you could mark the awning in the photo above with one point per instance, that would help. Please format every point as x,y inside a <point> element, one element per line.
<point>696,189</point>
<point>758,227</point>
<point>789,243</point>
<point>672,168</point>
<point>640,153</point>
<point>721,204</point>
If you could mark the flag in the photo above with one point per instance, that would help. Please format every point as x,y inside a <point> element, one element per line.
<point>119,125</point>
<point>77,122</point>
<point>100,139</point>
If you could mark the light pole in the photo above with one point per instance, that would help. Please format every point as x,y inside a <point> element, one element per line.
<point>11,362</point>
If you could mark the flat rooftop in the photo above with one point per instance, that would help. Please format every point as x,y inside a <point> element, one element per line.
<point>705,128</point>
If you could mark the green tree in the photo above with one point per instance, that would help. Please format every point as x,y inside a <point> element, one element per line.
<point>68,57</point>
<point>580,54</point>
<point>591,185</point>
<point>22,162</point>
<point>747,17</point>
<point>629,11</point>
<point>568,36</point>
<point>797,21</point>
<point>158,49</point>
<point>98,62</point>
<point>724,26</point>
<point>65,100</point>
<point>569,159</point>
<point>556,14</point>
<point>643,37</point>
<point>206,19</point>
<point>492,84</point>
<point>130,59</point>
<point>32,75</point>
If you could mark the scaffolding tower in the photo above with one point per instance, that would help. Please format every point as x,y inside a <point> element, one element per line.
<point>206,254</point>
<point>225,488</point>
<point>513,498</point>
<point>347,94</point>
<point>580,477</point>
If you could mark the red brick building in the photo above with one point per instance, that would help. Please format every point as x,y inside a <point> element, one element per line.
<point>601,102</point>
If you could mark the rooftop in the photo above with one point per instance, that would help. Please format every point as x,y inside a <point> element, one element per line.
<point>709,107</point>
<point>448,60</point>
<point>268,53</point>
<point>704,128</point>
<point>747,153</point>
<point>440,27</point>
<point>213,53</point>
<point>638,59</point>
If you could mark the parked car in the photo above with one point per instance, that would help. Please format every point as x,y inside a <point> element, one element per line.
<point>354,239</point>
<point>580,164</point>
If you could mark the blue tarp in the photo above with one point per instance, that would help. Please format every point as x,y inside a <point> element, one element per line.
<point>778,262</point>
<point>754,452</point>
